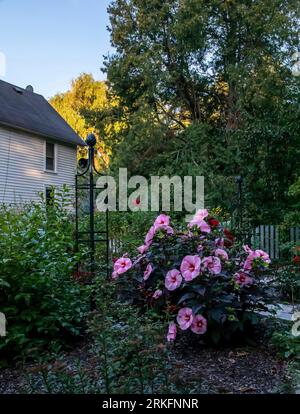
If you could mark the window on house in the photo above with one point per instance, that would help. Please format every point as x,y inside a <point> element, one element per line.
<point>49,195</point>
<point>50,157</point>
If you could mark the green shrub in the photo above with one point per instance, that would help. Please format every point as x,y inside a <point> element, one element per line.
<point>43,305</point>
<point>287,247</point>
<point>126,354</point>
<point>288,279</point>
<point>287,344</point>
<point>128,228</point>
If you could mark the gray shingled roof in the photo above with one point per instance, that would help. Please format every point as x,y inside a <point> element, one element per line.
<point>30,112</point>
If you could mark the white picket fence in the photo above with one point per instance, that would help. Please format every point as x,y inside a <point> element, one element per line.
<point>266,237</point>
<point>115,246</point>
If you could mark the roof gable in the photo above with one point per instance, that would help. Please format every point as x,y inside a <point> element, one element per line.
<point>25,110</point>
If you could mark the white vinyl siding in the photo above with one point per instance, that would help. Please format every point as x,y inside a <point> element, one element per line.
<point>22,166</point>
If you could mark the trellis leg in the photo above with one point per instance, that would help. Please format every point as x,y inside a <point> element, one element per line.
<point>76,219</point>
<point>107,245</point>
<point>92,211</point>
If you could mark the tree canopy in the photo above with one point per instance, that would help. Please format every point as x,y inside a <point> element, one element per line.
<point>206,88</point>
<point>199,87</point>
<point>84,106</point>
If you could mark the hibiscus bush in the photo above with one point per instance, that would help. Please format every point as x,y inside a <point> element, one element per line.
<point>198,279</point>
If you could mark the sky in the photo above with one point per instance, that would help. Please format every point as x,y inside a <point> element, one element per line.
<point>47,43</point>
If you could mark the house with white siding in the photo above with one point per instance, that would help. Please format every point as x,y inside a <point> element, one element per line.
<point>38,149</point>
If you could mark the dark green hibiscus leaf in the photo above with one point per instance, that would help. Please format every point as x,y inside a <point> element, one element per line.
<point>199,289</point>
<point>197,308</point>
<point>217,315</point>
<point>185,297</point>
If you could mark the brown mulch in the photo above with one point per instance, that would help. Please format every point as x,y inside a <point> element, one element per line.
<point>14,379</point>
<point>238,371</point>
<point>245,370</point>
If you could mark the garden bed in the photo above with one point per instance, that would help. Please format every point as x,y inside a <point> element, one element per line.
<point>243,370</point>
<point>153,325</point>
<point>239,371</point>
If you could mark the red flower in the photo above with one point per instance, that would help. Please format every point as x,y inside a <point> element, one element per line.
<point>229,238</point>
<point>213,222</point>
<point>296,259</point>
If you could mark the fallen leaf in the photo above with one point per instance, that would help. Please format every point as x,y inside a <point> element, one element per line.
<point>247,389</point>
<point>241,354</point>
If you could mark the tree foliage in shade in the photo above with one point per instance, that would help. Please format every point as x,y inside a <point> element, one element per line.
<point>206,88</point>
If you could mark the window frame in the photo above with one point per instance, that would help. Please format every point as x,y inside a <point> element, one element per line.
<point>54,171</point>
<point>46,187</point>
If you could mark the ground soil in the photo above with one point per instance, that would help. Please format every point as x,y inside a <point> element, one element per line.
<point>242,370</point>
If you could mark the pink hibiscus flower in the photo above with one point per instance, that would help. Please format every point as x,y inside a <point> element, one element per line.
<point>167,229</point>
<point>263,255</point>
<point>219,242</point>
<point>142,249</point>
<point>161,220</point>
<point>190,267</point>
<point>204,227</point>
<point>157,294</point>
<point>149,236</point>
<point>247,249</point>
<point>201,224</point>
<point>221,253</point>
<point>172,332</point>
<point>243,279</point>
<point>257,254</point>
<point>185,318</point>
<point>248,264</point>
<point>114,275</point>
<point>200,248</point>
<point>212,264</point>
<point>200,214</point>
<point>173,279</point>
<point>151,233</point>
<point>148,271</point>
<point>198,217</point>
<point>122,265</point>
<point>199,325</point>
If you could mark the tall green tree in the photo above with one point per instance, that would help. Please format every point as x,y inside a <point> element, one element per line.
<point>206,88</point>
<point>84,106</point>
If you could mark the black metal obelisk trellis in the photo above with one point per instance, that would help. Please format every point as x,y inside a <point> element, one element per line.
<point>239,222</point>
<point>239,183</point>
<point>85,180</point>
